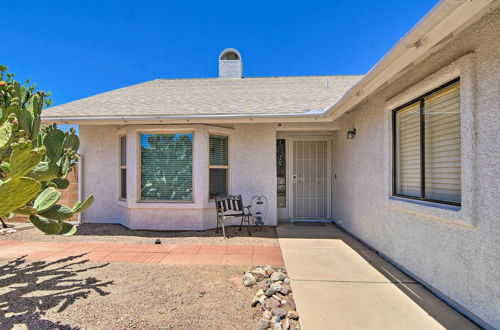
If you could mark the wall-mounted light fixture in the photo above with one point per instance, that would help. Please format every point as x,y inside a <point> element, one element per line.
<point>351,134</point>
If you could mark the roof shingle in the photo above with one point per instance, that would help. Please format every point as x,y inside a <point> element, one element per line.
<point>212,96</point>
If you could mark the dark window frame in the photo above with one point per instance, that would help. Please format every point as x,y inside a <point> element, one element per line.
<point>420,100</point>
<point>283,143</point>
<point>123,168</point>
<point>218,167</point>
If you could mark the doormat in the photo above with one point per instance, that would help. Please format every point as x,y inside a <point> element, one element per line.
<point>309,224</point>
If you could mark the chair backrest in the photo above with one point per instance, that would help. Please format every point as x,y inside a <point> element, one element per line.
<point>229,203</point>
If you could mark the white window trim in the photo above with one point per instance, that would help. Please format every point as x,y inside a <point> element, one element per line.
<point>465,214</point>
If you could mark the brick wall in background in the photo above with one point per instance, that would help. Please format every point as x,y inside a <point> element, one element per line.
<point>68,198</point>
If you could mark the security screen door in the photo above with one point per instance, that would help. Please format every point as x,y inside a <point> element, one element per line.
<point>310,178</point>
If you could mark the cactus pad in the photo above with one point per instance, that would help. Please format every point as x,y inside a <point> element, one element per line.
<point>46,199</point>
<point>58,212</point>
<point>67,229</point>
<point>80,207</point>
<point>54,142</point>
<point>5,132</point>
<point>72,141</point>
<point>15,193</point>
<point>61,183</point>
<point>50,227</point>
<point>23,160</point>
<point>44,172</point>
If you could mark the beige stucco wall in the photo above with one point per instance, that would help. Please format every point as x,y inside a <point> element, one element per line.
<point>99,147</point>
<point>253,159</point>
<point>455,251</point>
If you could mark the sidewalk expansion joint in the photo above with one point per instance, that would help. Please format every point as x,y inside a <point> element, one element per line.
<point>344,281</point>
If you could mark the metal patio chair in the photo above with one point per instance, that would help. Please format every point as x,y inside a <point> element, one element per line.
<point>231,207</point>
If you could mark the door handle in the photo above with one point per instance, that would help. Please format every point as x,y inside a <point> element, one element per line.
<point>294,178</point>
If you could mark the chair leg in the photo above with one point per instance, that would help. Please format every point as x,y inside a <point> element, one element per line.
<point>217,228</point>
<point>223,230</point>
<point>249,226</point>
<point>241,223</point>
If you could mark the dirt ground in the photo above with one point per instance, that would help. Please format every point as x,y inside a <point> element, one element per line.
<point>66,294</point>
<point>118,234</point>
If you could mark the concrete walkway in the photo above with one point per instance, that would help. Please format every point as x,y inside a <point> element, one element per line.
<point>166,254</point>
<point>338,283</point>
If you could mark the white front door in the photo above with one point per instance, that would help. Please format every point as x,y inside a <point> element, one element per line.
<point>310,178</point>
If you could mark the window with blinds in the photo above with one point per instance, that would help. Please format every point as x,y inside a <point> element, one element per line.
<point>427,157</point>
<point>218,166</point>
<point>167,167</point>
<point>123,167</point>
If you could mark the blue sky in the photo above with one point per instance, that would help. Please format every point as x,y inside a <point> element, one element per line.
<point>81,48</point>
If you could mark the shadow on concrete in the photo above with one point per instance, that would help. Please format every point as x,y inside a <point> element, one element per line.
<point>433,305</point>
<point>29,289</point>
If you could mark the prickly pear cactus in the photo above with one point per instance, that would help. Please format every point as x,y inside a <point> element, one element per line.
<point>35,160</point>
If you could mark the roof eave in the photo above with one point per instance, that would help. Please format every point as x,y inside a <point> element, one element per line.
<point>312,116</point>
<point>445,20</point>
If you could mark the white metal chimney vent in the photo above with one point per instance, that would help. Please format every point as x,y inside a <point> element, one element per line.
<point>230,65</point>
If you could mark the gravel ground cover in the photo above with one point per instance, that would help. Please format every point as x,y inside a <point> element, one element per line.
<point>118,234</point>
<point>274,298</point>
<point>72,294</point>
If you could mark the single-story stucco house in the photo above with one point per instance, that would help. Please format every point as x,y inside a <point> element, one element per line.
<point>406,157</point>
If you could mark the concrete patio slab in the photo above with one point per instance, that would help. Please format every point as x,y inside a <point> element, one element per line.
<point>339,283</point>
<point>354,305</point>
<point>322,264</point>
<point>324,237</point>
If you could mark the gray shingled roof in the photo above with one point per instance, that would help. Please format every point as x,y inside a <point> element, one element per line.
<point>211,96</point>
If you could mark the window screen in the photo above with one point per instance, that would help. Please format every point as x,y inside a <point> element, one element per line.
<point>218,182</point>
<point>123,183</point>
<point>167,167</point>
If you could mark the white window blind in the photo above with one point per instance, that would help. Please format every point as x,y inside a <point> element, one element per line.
<point>442,145</point>
<point>219,165</point>
<point>167,167</point>
<point>408,150</point>
<point>431,171</point>
<point>218,150</point>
